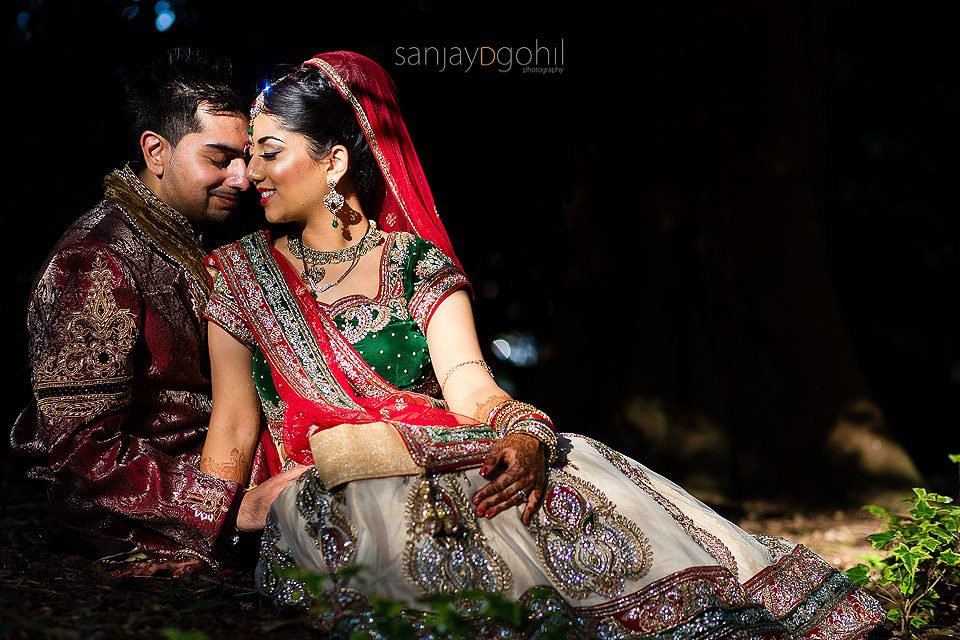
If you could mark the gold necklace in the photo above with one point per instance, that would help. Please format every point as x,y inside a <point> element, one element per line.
<point>314,259</point>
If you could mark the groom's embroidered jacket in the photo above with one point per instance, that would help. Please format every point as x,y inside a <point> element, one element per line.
<point>121,385</point>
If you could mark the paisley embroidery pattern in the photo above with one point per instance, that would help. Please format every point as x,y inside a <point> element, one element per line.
<point>274,569</point>
<point>584,544</point>
<point>370,317</point>
<point>92,371</point>
<point>207,504</point>
<point>707,541</point>
<point>446,551</point>
<point>322,511</point>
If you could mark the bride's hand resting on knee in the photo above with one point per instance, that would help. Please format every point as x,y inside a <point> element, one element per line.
<point>518,465</point>
<point>256,503</point>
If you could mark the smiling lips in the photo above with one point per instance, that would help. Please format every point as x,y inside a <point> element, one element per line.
<point>265,195</point>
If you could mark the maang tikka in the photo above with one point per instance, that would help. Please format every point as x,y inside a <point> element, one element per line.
<point>333,201</point>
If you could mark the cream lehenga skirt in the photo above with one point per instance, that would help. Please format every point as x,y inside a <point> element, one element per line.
<point>622,552</point>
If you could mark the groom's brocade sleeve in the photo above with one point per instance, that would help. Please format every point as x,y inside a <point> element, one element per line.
<point>114,471</point>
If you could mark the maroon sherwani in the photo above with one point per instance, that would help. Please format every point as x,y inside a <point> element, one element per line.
<point>121,381</point>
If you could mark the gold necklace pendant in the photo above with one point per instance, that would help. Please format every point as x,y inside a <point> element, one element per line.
<point>313,275</point>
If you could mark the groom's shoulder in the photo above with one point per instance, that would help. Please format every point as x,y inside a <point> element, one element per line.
<point>103,229</point>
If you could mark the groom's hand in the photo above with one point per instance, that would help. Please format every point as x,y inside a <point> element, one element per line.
<point>256,502</point>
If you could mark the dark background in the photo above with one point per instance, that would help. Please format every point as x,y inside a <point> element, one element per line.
<point>728,230</point>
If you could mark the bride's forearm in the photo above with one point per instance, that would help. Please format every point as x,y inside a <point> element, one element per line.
<point>486,401</point>
<point>228,453</point>
<point>235,466</point>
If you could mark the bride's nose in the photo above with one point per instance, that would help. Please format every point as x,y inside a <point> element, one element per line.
<point>255,170</point>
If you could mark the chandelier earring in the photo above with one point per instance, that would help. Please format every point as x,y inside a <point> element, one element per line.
<point>333,200</point>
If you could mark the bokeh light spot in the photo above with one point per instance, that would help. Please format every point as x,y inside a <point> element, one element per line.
<point>165,20</point>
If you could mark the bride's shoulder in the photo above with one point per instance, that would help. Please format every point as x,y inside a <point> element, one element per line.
<point>407,241</point>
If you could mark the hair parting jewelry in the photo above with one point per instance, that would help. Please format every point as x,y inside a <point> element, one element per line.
<point>482,363</point>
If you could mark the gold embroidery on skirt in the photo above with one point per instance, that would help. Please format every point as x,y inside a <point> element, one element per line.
<point>585,545</point>
<point>323,512</point>
<point>707,541</point>
<point>446,551</point>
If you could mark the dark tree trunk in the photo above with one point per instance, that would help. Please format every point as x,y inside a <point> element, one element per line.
<point>699,289</point>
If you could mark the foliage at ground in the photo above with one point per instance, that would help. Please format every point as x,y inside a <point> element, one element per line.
<point>49,594</point>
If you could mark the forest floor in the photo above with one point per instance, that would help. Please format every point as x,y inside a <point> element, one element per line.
<point>45,594</point>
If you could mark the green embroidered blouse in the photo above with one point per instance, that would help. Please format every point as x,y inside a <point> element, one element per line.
<point>389,330</point>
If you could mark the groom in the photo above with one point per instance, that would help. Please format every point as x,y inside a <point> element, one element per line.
<point>120,370</point>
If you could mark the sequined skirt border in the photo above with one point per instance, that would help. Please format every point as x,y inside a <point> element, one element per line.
<point>616,550</point>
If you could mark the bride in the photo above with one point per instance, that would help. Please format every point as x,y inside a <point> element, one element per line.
<point>420,468</point>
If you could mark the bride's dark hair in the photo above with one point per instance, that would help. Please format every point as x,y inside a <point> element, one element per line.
<point>306,102</point>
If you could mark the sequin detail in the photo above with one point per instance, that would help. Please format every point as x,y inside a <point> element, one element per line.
<point>707,541</point>
<point>439,448</point>
<point>801,586</point>
<point>699,603</point>
<point>222,309</point>
<point>274,569</point>
<point>325,521</point>
<point>446,552</point>
<point>431,290</point>
<point>275,317</point>
<point>585,545</point>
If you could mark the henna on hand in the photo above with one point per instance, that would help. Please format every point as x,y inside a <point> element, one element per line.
<point>525,469</point>
<point>234,469</point>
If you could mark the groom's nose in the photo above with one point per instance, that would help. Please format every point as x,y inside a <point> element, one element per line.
<point>238,175</point>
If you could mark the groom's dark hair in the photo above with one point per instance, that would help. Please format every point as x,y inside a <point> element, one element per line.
<point>164,96</point>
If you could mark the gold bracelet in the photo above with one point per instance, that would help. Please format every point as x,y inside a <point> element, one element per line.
<point>460,364</point>
<point>539,430</point>
<point>514,416</point>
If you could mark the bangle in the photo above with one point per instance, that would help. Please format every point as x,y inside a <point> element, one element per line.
<point>513,416</point>
<point>460,364</point>
<point>510,412</point>
<point>540,431</point>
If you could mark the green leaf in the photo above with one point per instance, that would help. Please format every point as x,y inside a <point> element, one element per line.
<point>917,621</point>
<point>923,510</point>
<point>949,557</point>
<point>907,556</point>
<point>929,543</point>
<point>860,574</point>
<point>882,539</point>
<point>894,614</point>
<point>954,457</point>
<point>880,512</point>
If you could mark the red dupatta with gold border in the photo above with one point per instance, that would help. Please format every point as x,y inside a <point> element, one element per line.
<point>327,386</point>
